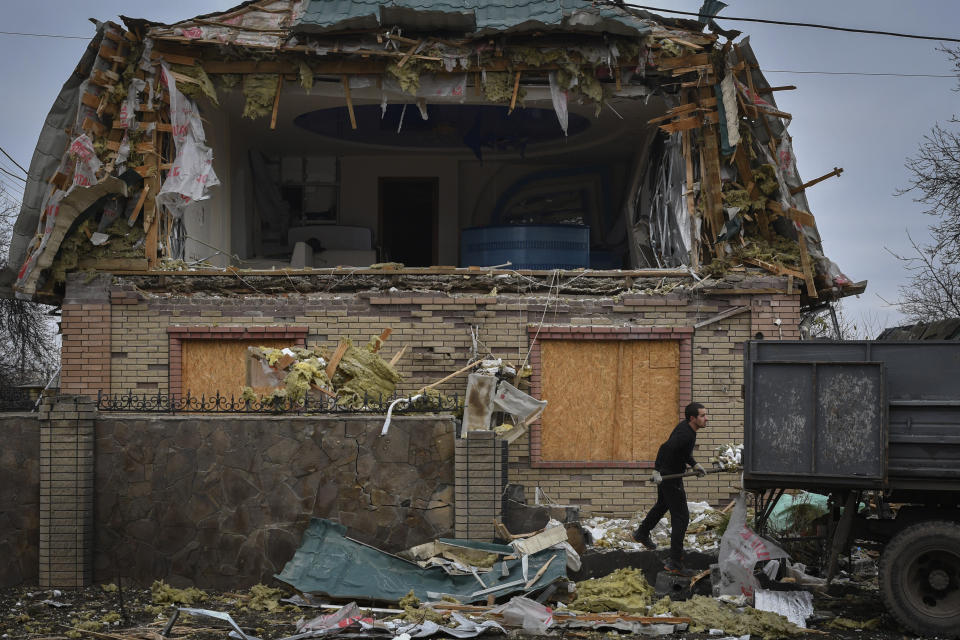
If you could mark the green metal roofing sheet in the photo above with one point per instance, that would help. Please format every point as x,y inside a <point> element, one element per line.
<point>483,15</point>
<point>331,563</point>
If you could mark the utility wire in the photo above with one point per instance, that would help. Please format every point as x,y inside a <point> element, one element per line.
<point>4,151</point>
<point>862,73</point>
<point>43,35</point>
<point>12,174</point>
<point>786,23</point>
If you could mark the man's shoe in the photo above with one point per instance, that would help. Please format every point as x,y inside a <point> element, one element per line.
<point>676,567</point>
<point>645,540</point>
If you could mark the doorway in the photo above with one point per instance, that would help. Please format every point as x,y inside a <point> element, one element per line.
<point>408,220</point>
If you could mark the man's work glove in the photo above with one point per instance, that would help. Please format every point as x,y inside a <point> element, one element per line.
<point>656,478</point>
<point>700,470</point>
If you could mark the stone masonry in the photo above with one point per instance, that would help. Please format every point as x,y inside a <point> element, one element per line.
<point>222,501</point>
<point>19,499</point>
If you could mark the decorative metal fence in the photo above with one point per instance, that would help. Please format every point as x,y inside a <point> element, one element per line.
<point>187,403</point>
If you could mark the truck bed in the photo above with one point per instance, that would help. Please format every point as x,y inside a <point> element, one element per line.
<point>857,414</point>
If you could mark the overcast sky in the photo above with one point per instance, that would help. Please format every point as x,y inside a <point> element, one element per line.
<point>866,124</point>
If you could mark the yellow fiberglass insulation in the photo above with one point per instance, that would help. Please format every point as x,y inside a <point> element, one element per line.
<point>306,76</point>
<point>708,613</point>
<point>361,374</point>
<point>623,590</point>
<point>203,87</point>
<point>259,89</point>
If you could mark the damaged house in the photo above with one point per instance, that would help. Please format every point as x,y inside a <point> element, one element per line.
<point>604,200</point>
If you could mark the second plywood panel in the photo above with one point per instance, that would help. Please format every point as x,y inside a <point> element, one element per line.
<point>608,400</point>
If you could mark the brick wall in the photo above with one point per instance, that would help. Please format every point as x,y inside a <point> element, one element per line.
<point>436,327</point>
<point>479,485</point>
<point>66,491</point>
<point>86,329</point>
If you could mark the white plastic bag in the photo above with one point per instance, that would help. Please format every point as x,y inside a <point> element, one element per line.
<point>740,550</point>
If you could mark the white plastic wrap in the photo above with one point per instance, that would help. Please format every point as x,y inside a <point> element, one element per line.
<point>740,550</point>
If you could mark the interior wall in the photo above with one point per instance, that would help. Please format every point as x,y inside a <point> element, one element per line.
<point>359,193</point>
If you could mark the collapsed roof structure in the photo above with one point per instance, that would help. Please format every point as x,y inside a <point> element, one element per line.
<point>331,133</point>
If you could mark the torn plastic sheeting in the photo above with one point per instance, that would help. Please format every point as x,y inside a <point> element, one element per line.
<point>658,629</point>
<point>346,616</point>
<point>795,606</point>
<point>740,550</point>
<point>466,628</point>
<point>479,402</point>
<point>329,562</point>
<point>220,615</point>
<point>528,614</point>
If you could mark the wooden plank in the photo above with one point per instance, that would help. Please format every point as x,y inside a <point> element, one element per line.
<point>689,60</point>
<point>151,242</point>
<point>90,100</point>
<point>772,267</point>
<point>110,264</point>
<point>459,372</point>
<point>807,265</point>
<point>695,122</point>
<point>346,94</point>
<point>92,125</point>
<point>383,338</point>
<point>410,52</point>
<point>173,58</point>
<point>739,292</point>
<point>804,218</point>
<point>399,354</point>
<point>337,356</point>
<point>107,52</point>
<point>276,104</point>
<point>836,172</point>
<point>729,313</point>
<point>139,205</point>
<point>516,91</point>
<point>786,87</point>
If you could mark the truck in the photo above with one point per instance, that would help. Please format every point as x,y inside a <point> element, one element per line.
<point>852,419</point>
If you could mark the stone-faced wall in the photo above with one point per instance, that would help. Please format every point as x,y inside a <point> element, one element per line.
<point>436,327</point>
<point>221,502</point>
<point>19,498</point>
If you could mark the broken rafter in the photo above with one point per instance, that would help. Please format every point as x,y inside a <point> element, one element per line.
<point>516,91</point>
<point>729,313</point>
<point>836,172</point>
<point>408,54</point>
<point>276,103</point>
<point>346,94</point>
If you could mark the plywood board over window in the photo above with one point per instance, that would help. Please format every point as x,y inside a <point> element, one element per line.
<point>608,400</point>
<point>215,365</point>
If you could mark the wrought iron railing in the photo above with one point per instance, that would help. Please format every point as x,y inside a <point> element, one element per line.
<point>217,403</point>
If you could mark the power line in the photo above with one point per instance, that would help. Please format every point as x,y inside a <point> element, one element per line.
<point>43,35</point>
<point>786,23</point>
<point>862,73</point>
<point>4,151</point>
<point>12,174</point>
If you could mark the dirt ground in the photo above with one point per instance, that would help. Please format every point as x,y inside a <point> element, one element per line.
<point>105,612</point>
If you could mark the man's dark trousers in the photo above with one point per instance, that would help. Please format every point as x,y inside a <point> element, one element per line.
<point>670,497</point>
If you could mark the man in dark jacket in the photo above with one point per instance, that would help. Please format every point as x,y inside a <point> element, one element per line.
<point>673,457</point>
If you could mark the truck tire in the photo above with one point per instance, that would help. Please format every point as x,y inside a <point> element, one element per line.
<point>920,578</point>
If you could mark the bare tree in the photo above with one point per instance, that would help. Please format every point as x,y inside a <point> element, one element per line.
<point>934,291</point>
<point>27,346</point>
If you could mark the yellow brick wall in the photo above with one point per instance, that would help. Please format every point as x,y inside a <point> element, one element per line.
<point>436,329</point>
